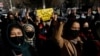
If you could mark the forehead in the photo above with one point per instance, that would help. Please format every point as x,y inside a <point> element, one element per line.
<point>28,28</point>
<point>75,24</point>
<point>16,29</point>
<point>86,24</point>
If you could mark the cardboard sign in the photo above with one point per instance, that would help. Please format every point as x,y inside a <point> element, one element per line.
<point>45,14</point>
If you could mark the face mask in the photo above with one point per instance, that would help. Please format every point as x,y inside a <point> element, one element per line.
<point>74,33</point>
<point>85,30</point>
<point>17,40</point>
<point>30,34</point>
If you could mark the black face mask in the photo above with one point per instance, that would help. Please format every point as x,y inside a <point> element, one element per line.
<point>85,30</point>
<point>30,34</point>
<point>74,33</point>
<point>17,40</point>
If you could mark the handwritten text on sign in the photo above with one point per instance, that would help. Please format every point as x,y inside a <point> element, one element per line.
<point>45,14</point>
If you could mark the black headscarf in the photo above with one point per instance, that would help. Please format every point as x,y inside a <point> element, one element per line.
<point>18,49</point>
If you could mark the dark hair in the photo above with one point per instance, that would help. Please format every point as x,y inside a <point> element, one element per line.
<point>9,13</point>
<point>69,24</point>
<point>9,42</point>
<point>67,28</point>
<point>11,26</point>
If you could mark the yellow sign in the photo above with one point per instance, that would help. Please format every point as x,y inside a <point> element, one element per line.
<point>45,14</point>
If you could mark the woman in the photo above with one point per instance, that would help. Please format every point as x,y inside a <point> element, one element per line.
<point>68,39</point>
<point>17,45</point>
<point>86,32</point>
<point>91,46</point>
<point>30,34</point>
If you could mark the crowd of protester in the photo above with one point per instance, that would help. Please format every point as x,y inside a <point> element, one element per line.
<point>26,34</point>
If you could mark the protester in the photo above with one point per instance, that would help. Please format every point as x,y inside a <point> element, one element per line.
<point>90,17</point>
<point>69,32</point>
<point>18,16</point>
<point>86,32</point>
<point>16,44</point>
<point>30,34</point>
<point>27,19</point>
<point>73,15</point>
<point>68,39</point>
<point>54,20</point>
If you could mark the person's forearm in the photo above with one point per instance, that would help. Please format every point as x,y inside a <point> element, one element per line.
<point>58,35</point>
<point>59,30</point>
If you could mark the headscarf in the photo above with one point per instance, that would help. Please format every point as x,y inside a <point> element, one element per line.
<point>17,49</point>
<point>30,40</point>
